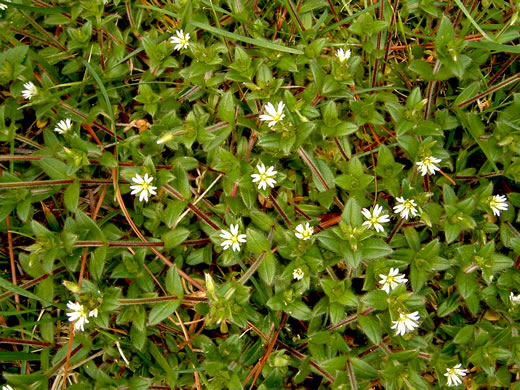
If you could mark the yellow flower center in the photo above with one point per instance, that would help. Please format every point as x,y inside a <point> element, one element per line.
<point>234,239</point>
<point>408,205</point>
<point>263,176</point>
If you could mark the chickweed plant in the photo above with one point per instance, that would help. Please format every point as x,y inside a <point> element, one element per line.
<point>259,194</point>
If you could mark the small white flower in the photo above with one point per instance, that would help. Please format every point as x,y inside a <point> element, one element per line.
<point>298,274</point>
<point>304,233</point>
<point>63,126</point>
<point>3,7</point>
<point>515,299</point>
<point>427,165</point>
<point>405,207</point>
<point>265,178</point>
<point>342,55</point>
<point>232,238</point>
<point>181,41</point>
<point>406,322</point>
<point>455,374</point>
<point>497,203</point>
<point>375,219</point>
<point>30,90</point>
<point>392,280</point>
<point>79,315</point>
<point>143,187</point>
<point>6,387</point>
<point>273,115</point>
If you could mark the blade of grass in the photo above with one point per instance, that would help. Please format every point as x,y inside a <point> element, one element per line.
<point>294,15</point>
<point>20,291</point>
<point>472,21</point>
<point>253,41</point>
<point>498,47</point>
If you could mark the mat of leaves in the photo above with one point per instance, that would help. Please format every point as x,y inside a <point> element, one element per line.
<point>229,194</point>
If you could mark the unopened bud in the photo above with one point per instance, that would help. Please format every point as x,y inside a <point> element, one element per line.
<point>210,285</point>
<point>71,286</point>
<point>165,138</point>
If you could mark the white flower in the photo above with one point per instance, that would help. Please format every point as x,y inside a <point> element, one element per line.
<point>304,233</point>
<point>392,280</point>
<point>80,315</point>
<point>63,126</point>
<point>342,55</point>
<point>427,165</point>
<point>143,186</point>
<point>30,90</point>
<point>497,203</point>
<point>298,274</point>
<point>406,322</point>
<point>265,178</point>
<point>232,238</point>
<point>405,207</point>
<point>273,115</point>
<point>3,7</point>
<point>6,387</point>
<point>515,299</point>
<point>454,375</point>
<point>181,41</point>
<point>375,219</point>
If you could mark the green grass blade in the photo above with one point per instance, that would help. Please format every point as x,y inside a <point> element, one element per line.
<point>20,291</point>
<point>498,47</point>
<point>6,356</point>
<point>253,41</point>
<point>472,21</point>
<point>102,88</point>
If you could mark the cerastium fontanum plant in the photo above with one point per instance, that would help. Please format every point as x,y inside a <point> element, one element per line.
<point>230,194</point>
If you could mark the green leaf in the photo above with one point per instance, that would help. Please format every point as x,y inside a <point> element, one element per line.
<point>137,336</point>
<point>335,364</point>
<point>55,169</point>
<point>363,369</point>
<point>465,335</point>
<point>300,311</point>
<point>162,310</point>
<point>466,284</point>
<point>86,223</point>
<point>226,108</point>
<point>445,33</point>
<point>374,248</point>
<point>370,325</point>
<point>174,238</point>
<point>97,262</point>
<point>71,196</point>
<point>256,241</point>
<point>377,299</point>
<point>267,269</point>
<point>448,306</point>
<point>174,283</point>
<point>352,213</point>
